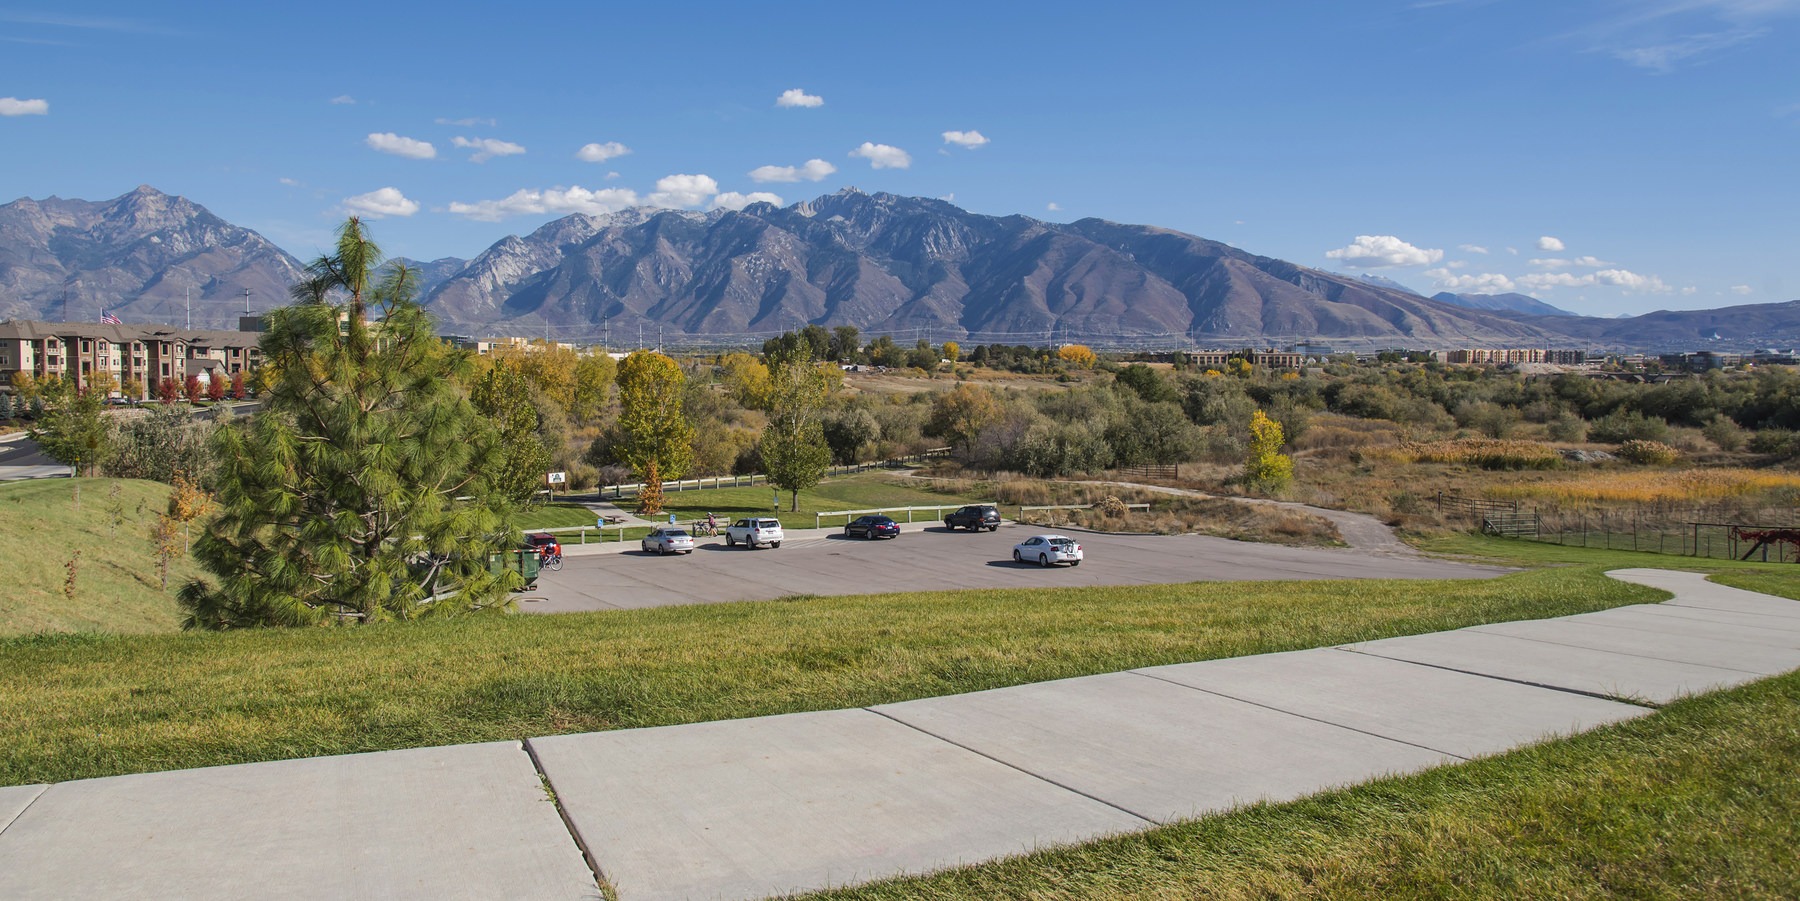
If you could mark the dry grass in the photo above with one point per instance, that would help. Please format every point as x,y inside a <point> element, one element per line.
<point>1487,453</point>
<point>1219,517</point>
<point>1657,486</point>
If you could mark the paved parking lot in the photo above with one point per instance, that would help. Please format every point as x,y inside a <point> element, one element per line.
<point>931,558</point>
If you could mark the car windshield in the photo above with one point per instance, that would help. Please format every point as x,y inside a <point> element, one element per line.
<point>769,524</point>
<point>676,533</point>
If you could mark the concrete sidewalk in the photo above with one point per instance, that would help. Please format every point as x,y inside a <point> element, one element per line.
<point>750,808</point>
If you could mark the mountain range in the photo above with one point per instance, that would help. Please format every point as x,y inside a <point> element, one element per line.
<point>904,266</point>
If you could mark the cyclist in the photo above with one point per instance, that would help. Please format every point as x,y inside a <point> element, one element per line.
<point>712,525</point>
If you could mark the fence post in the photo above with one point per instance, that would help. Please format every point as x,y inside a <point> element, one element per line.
<point>584,534</point>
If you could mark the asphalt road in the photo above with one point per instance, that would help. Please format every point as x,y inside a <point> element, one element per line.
<point>937,559</point>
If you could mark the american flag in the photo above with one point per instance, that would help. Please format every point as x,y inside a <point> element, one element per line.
<point>109,318</point>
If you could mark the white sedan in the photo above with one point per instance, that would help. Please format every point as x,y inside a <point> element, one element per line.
<point>668,541</point>
<point>1047,549</point>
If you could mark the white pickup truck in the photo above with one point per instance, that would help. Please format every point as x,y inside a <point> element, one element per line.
<point>754,532</point>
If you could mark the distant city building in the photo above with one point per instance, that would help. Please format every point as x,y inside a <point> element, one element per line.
<point>1267,359</point>
<point>146,353</point>
<point>485,346</point>
<point>1702,361</point>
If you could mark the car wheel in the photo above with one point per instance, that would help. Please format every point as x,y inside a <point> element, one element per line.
<point>1043,560</point>
<point>994,528</point>
<point>775,544</point>
<point>730,541</point>
<point>1074,562</point>
<point>643,547</point>
<point>1016,557</point>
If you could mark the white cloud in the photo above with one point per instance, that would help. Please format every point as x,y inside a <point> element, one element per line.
<point>950,197</point>
<point>1553,263</point>
<point>882,156</point>
<point>1546,281</point>
<point>732,200</point>
<point>290,182</point>
<point>1383,251</point>
<point>381,203</point>
<point>811,170</point>
<point>1053,207</point>
<point>468,123</point>
<point>970,139</point>
<point>343,100</point>
<point>680,191</point>
<point>487,148</point>
<point>1554,245</point>
<point>1513,250</point>
<point>1611,278</point>
<point>600,153</point>
<point>1483,283</point>
<point>797,97</point>
<point>1471,248</point>
<point>388,142</point>
<point>1741,289</point>
<point>611,175</point>
<point>1631,281</point>
<point>554,200</point>
<point>1456,264</point>
<point>13,106</point>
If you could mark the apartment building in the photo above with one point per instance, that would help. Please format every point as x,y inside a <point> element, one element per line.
<point>142,355</point>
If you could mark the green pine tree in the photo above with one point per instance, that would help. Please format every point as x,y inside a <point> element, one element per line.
<point>366,488</point>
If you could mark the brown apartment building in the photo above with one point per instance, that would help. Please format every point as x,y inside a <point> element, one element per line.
<point>146,353</point>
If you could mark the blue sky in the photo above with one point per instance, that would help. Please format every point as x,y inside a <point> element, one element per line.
<point>1609,157</point>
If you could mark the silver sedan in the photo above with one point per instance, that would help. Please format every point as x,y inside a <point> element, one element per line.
<point>668,541</point>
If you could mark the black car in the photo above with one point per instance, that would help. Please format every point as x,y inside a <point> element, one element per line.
<point>872,527</point>
<point>974,517</point>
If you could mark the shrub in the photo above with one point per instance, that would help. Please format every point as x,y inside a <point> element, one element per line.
<point>1568,427</point>
<point>1774,441</point>
<point>1724,432</point>
<point>1618,428</point>
<point>1653,453</point>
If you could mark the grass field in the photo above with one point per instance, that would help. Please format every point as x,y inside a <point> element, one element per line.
<point>1698,800</point>
<point>79,706</point>
<point>117,588</point>
<point>1772,578</point>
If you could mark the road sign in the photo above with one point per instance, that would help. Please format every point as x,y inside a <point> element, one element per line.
<point>558,478</point>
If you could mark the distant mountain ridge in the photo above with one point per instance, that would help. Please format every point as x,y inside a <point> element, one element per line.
<point>917,266</point>
<point>904,266</point>
<point>137,256</point>
<point>1509,303</point>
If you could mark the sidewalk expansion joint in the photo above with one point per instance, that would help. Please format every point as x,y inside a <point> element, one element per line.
<point>1673,602</point>
<point>1617,699</point>
<point>21,814</point>
<point>569,824</point>
<point>1012,766</point>
<point>1271,707</point>
<point>1582,647</point>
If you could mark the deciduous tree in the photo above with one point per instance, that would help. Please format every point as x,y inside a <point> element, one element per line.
<point>1266,467</point>
<point>794,452</point>
<point>656,437</point>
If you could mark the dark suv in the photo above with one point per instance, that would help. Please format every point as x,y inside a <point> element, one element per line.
<point>974,517</point>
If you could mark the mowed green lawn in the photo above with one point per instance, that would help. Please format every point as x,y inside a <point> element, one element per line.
<point>79,706</point>
<point>1698,800</point>
<point>106,532</point>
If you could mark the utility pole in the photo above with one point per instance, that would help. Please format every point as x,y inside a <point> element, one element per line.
<point>190,308</point>
<point>246,301</point>
<point>605,334</point>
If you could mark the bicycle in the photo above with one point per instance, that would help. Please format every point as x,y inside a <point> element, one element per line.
<point>552,562</point>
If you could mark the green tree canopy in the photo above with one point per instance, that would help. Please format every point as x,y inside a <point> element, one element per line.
<point>367,487</point>
<point>74,430</point>
<point>656,437</point>
<point>794,451</point>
